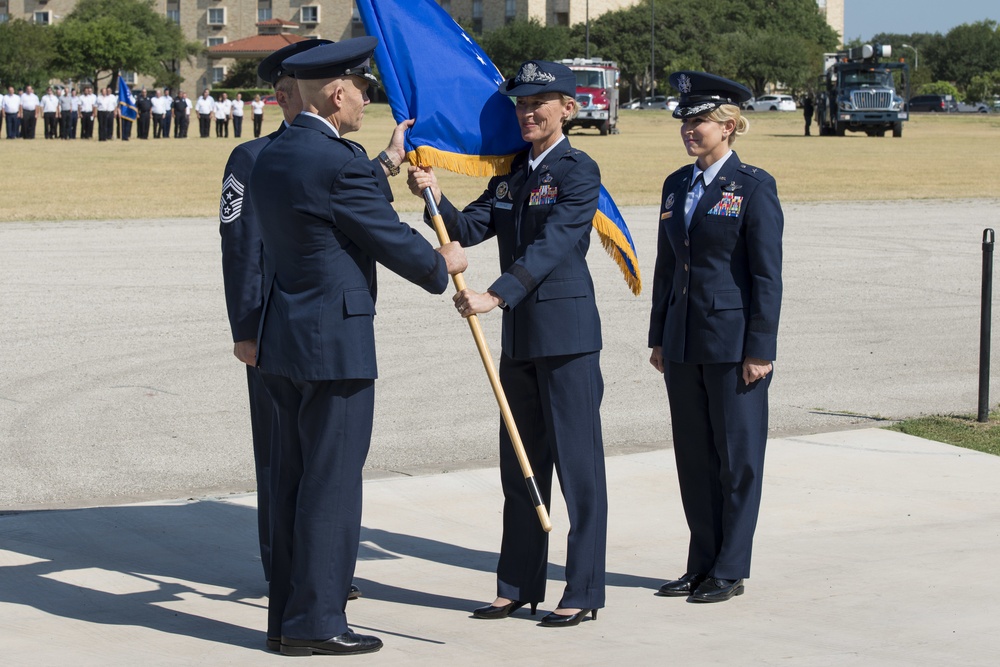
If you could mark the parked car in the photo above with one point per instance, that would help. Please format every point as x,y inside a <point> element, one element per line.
<point>770,103</point>
<point>933,103</point>
<point>269,99</point>
<point>655,102</point>
<point>978,107</point>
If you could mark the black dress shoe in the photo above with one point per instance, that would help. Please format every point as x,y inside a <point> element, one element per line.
<point>354,593</point>
<point>273,644</point>
<point>717,590</point>
<point>490,612</point>
<point>681,587</point>
<point>346,643</point>
<point>554,620</point>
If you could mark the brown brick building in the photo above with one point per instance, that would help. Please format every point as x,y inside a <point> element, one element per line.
<point>233,27</point>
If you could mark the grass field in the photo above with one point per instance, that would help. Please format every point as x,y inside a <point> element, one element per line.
<point>952,156</point>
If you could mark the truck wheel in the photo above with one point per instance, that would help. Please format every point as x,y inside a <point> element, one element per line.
<point>604,127</point>
<point>897,129</point>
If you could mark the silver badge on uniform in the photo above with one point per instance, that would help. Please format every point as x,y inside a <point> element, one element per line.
<point>684,83</point>
<point>669,203</point>
<point>231,205</point>
<point>547,178</point>
<point>502,190</point>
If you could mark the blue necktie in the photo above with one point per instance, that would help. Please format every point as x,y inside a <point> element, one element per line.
<point>693,196</point>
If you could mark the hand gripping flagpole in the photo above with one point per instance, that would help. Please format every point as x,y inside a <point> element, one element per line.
<point>487,358</point>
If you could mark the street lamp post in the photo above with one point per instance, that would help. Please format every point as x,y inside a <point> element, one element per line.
<point>652,49</point>
<point>587,51</point>
<point>916,55</point>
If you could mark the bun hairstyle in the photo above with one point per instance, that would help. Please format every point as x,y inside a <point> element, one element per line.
<point>727,112</point>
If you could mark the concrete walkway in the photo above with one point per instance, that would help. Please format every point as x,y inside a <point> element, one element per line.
<point>874,548</point>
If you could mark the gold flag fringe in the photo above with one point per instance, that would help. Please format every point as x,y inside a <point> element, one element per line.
<point>497,165</point>
<point>470,165</point>
<point>615,243</point>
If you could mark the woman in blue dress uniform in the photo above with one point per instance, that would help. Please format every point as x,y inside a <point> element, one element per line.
<point>541,214</point>
<point>713,332</point>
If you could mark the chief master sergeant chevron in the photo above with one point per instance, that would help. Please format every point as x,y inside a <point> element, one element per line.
<point>324,222</point>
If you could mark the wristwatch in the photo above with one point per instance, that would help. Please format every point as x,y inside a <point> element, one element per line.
<point>383,157</point>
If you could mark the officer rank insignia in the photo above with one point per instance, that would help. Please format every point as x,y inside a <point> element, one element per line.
<point>231,205</point>
<point>546,194</point>
<point>729,206</point>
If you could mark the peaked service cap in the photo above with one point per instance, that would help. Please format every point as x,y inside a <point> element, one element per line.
<point>540,76</point>
<point>350,57</point>
<point>702,92</point>
<point>270,68</point>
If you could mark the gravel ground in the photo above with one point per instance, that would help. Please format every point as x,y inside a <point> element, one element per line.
<point>118,382</point>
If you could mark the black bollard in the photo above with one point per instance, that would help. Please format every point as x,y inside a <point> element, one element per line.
<point>984,326</point>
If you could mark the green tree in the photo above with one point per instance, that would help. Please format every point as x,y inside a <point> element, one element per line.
<point>100,37</point>
<point>242,75</point>
<point>519,41</point>
<point>26,52</point>
<point>939,88</point>
<point>757,42</point>
<point>983,87</point>
<point>965,51</point>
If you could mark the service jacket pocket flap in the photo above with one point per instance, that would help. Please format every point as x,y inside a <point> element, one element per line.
<point>562,289</point>
<point>728,300</point>
<point>358,302</point>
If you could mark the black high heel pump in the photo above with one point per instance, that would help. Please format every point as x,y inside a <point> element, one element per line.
<point>554,620</point>
<point>490,612</point>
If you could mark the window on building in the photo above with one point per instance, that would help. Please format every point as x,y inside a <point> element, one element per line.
<point>215,41</point>
<point>562,18</point>
<point>309,14</point>
<point>477,16</point>
<point>445,5</point>
<point>263,14</point>
<point>43,18</point>
<point>174,15</point>
<point>217,16</point>
<point>129,78</point>
<point>510,11</point>
<point>218,74</point>
<point>4,17</point>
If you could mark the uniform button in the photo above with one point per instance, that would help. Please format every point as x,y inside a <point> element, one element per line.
<point>685,267</point>
<point>687,242</point>
<point>684,290</point>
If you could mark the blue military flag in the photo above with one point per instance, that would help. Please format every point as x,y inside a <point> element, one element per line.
<point>433,72</point>
<point>126,100</point>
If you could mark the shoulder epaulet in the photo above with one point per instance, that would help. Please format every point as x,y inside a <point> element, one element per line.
<point>753,172</point>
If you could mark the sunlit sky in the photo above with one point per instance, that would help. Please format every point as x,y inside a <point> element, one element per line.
<point>864,18</point>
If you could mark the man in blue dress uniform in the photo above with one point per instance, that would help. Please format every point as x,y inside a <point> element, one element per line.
<point>324,222</point>
<point>243,272</point>
<point>243,275</point>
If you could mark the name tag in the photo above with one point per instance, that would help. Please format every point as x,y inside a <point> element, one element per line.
<point>506,205</point>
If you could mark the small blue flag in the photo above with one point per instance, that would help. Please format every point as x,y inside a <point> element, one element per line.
<point>126,100</point>
<point>433,72</point>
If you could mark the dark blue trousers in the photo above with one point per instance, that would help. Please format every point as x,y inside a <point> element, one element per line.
<point>325,430</point>
<point>720,431</point>
<point>556,403</point>
<point>264,427</point>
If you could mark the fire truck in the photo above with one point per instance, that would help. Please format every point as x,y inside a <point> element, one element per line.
<point>859,92</point>
<point>596,93</point>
